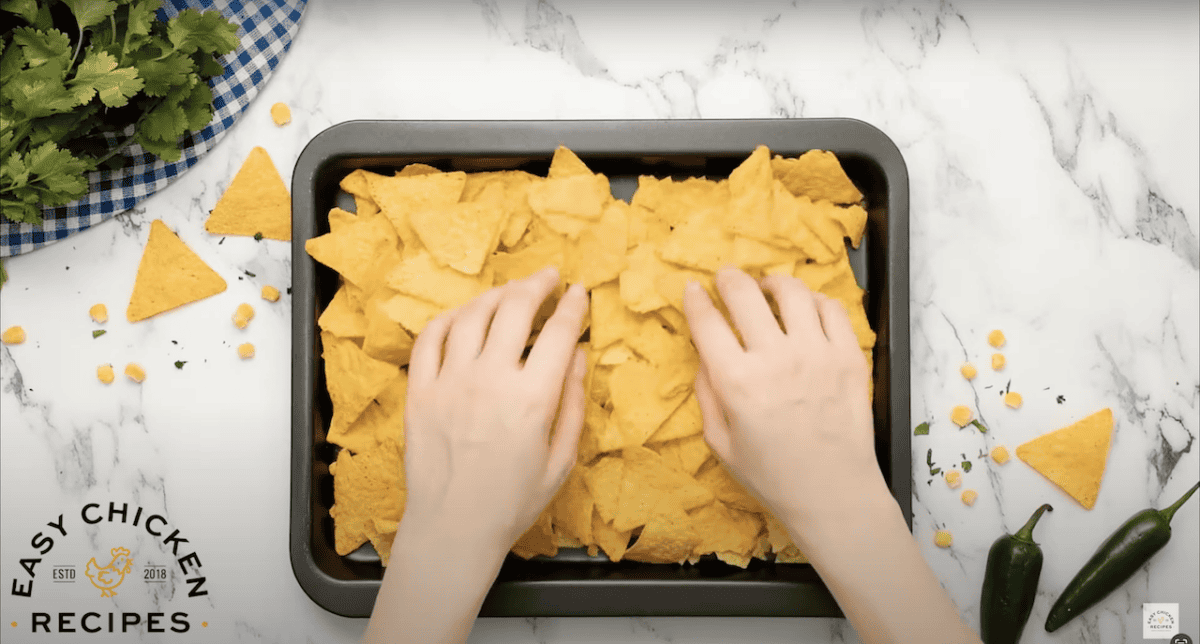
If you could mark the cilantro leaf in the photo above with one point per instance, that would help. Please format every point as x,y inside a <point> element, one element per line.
<point>979,426</point>
<point>39,92</point>
<point>97,333</point>
<point>27,9</point>
<point>934,471</point>
<point>141,20</point>
<point>90,12</point>
<point>167,122</point>
<point>3,274</point>
<point>164,75</point>
<point>966,465</point>
<point>98,73</point>
<point>41,47</point>
<point>21,211</point>
<point>209,67</point>
<point>179,363</point>
<point>191,30</point>
<point>166,150</point>
<point>11,62</point>
<point>921,430</point>
<point>198,106</point>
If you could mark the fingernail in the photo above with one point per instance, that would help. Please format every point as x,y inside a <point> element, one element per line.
<point>693,286</point>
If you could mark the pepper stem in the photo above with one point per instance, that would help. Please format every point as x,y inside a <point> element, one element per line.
<point>1026,532</point>
<point>1169,511</point>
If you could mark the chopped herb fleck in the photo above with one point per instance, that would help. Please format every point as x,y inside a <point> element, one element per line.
<point>289,292</point>
<point>179,363</point>
<point>257,236</point>
<point>97,333</point>
<point>249,274</point>
<point>921,430</point>
<point>174,342</point>
<point>221,242</point>
<point>966,466</point>
<point>978,425</point>
<point>1061,399</point>
<point>934,470</point>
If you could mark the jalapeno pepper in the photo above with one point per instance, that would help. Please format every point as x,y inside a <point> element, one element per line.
<point>1014,565</point>
<point>1122,554</point>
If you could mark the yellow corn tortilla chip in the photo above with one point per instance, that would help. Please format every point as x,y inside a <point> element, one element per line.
<point>365,207</point>
<point>339,219</point>
<point>603,481</point>
<point>353,378</point>
<point>1074,457</point>
<point>367,487</point>
<point>401,196</point>
<point>582,196</point>
<point>669,537</point>
<point>415,169</point>
<point>790,227</point>
<point>685,421</point>
<point>461,236</point>
<point>540,249</point>
<point>169,275</point>
<point>514,199</point>
<point>687,455</point>
<point>820,218</point>
<point>816,174</point>
<point>384,537</point>
<point>411,313</point>
<point>341,318</point>
<point>614,542</point>
<point>357,251</point>
<point>637,282</point>
<point>750,196</point>
<point>572,507</point>
<point>671,203</point>
<point>421,277</point>
<point>599,255</point>
<point>385,339</point>
<point>538,539</point>
<point>355,183</point>
<point>699,243</point>
<point>723,530</point>
<point>638,408</point>
<point>749,254</point>
<point>645,227</point>
<point>647,483</point>
<point>595,420</point>
<point>723,486</point>
<point>566,163</point>
<point>382,420</point>
<point>255,202</point>
<point>611,321</point>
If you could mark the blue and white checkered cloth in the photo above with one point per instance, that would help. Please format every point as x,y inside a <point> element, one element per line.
<point>266,28</point>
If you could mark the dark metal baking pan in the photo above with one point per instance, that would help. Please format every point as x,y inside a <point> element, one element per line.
<point>573,584</point>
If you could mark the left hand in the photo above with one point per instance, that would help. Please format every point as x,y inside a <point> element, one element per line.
<point>480,458</point>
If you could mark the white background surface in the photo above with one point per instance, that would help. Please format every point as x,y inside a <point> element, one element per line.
<point>1052,151</point>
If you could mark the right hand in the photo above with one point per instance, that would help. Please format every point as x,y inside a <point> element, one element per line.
<point>789,413</point>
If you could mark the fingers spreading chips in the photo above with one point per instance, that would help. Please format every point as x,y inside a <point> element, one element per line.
<point>646,487</point>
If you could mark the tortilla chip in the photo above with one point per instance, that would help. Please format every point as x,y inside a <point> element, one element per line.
<point>1074,457</point>
<point>700,244</point>
<point>339,219</point>
<point>750,196</point>
<point>538,539</point>
<point>723,486</point>
<point>341,318</point>
<point>687,455</point>
<point>355,183</point>
<point>669,537</point>
<point>382,420</point>
<point>637,282</point>
<point>725,531</point>
<point>685,421</point>
<point>648,483</point>
<point>816,174</point>
<point>599,256</point>
<point>169,275</point>
<point>410,313</point>
<point>358,251</point>
<point>417,169</point>
<point>401,196</point>
<point>614,542</point>
<point>354,379</point>
<point>572,507</point>
<point>581,196</point>
<point>820,218</point>
<point>638,408</point>
<point>255,202</point>
<point>461,236</point>
<point>566,163</point>
<point>385,339</point>
<point>540,250</point>
<point>611,321</point>
<point>367,487</point>
<point>603,481</point>
<point>514,199</point>
<point>420,276</point>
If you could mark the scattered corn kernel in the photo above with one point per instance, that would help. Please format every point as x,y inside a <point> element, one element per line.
<point>1000,454</point>
<point>961,415</point>
<point>99,313</point>
<point>998,361</point>
<point>243,315</point>
<point>996,338</point>
<point>943,538</point>
<point>969,371</point>
<point>270,294</point>
<point>135,372</point>
<point>969,496</point>
<point>953,479</point>
<point>105,373</point>
<point>1012,399</point>
<point>246,350</point>
<point>13,335</point>
<point>281,114</point>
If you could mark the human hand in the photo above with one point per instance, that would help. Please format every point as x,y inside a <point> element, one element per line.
<point>789,413</point>
<point>480,459</point>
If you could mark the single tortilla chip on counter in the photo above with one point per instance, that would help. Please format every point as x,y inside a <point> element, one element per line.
<point>255,202</point>
<point>1074,457</point>
<point>169,275</point>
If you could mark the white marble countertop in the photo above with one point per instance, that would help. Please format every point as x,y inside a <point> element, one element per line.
<point>1052,151</point>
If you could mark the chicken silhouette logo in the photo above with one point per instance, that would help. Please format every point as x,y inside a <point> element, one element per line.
<point>108,577</point>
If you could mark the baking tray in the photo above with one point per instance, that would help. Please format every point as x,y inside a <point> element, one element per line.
<point>573,584</point>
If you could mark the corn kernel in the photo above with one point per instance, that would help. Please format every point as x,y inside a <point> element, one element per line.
<point>1012,399</point>
<point>246,350</point>
<point>1000,454</point>
<point>13,335</point>
<point>953,479</point>
<point>943,538</point>
<point>961,415</point>
<point>270,293</point>
<point>996,338</point>
<point>105,373</point>
<point>243,315</point>
<point>969,371</point>
<point>281,114</point>
<point>998,361</point>
<point>969,496</point>
<point>135,372</point>
<point>99,313</point>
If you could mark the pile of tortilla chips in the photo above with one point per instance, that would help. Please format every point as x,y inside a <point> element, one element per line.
<point>646,487</point>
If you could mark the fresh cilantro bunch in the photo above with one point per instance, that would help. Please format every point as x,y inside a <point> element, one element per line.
<point>82,79</point>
